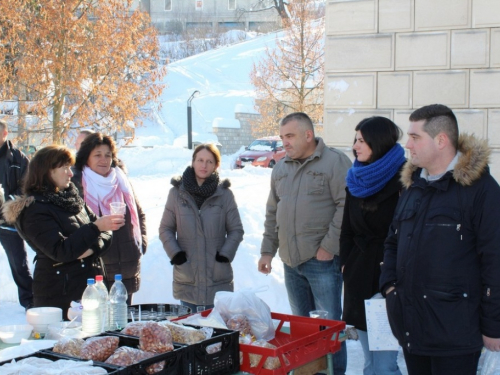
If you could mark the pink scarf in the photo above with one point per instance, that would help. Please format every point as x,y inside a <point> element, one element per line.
<point>99,192</point>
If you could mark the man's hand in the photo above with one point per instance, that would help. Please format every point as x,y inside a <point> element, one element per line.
<point>491,344</point>
<point>265,264</point>
<point>323,255</point>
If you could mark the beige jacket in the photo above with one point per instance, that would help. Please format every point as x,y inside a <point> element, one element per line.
<point>305,205</point>
<point>216,227</point>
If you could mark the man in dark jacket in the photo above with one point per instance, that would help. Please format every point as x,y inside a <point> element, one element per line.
<point>441,264</point>
<point>13,165</point>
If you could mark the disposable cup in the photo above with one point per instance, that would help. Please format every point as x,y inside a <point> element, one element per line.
<point>117,208</point>
<point>321,314</point>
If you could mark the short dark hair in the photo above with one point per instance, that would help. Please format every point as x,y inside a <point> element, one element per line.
<point>3,125</point>
<point>438,118</point>
<point>43,161</point>
<point>301,117</point>
<point>92,141</point>
<point>210,147</point>
<point>380,134</point>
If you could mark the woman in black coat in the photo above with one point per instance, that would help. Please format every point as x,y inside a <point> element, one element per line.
<point>101,180</point>
<point>67,237</point>
<point>372,194</point>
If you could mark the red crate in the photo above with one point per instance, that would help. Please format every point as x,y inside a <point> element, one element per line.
<point>305,340</point>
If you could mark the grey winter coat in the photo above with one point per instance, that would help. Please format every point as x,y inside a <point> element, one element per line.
<point>216,227</point>
<point>305,205</point>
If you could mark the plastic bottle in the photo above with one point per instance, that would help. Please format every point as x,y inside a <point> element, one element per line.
<point>103,302</point>
<point>91,314</point>
<point>117,305</point>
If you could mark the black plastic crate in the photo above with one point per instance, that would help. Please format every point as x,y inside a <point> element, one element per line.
<point>224,361</point>
<point>110,369</point>
<point>174,360</point>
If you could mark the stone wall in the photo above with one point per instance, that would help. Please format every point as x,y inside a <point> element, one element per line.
<point>233,138</point>
<point>389,57</point>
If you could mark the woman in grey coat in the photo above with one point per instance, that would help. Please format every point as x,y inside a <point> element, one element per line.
<point>201,230</point>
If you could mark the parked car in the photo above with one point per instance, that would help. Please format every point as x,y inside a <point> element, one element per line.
<point>263,152</point>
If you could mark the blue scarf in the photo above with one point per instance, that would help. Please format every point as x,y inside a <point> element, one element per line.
<point>364,180</point>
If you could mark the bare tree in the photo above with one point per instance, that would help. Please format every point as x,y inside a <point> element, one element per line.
<point>290,76</point>
<point>281,7</point>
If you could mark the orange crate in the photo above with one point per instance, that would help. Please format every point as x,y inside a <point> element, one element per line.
<point>305,340</point>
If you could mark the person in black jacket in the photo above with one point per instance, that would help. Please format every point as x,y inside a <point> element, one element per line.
<point>55,222</point>
<point>100,178</point>
<point>442,255</point>
<point>13,166</point>
<point>372,194</point>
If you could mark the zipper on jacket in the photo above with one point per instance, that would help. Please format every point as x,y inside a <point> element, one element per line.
<point>488,292</point>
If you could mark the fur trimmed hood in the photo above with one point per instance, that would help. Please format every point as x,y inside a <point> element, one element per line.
<point>176,181</point>
<point>471,165</point>
<point>12,209</point>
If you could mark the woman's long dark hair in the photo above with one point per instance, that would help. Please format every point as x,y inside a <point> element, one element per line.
<point>38,176</point>
<point>380,133</point>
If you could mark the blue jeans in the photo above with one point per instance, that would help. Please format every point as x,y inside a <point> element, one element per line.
<point>317,285</point>
<point>18,261</point>
<point>383,362</point>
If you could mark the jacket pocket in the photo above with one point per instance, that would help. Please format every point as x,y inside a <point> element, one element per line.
<point>315,183</point>
<point>445,318</point>
<point>184,274</point>
<point>223,273</point>
<point>280,184</point>
<point>395,314</point>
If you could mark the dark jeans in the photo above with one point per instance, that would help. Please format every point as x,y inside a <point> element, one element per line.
<point>18,261</point>
<point>317,285</point>
<point>465,364</point>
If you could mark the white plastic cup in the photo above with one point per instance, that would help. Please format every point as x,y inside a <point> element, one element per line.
<point>117,208</point>
<point>319,314</point>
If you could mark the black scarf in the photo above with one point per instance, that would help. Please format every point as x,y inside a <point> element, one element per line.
<point>69,199</point>
<point>199,193</point>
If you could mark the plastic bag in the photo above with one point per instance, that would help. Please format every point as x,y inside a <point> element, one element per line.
<point>490,363</point>
<point>126,356</point>
<point>245,302</point>
<point>99,348</point>
<point>134,328</point>
<point>69,346</point>
<point>184,335</point>
<point>42,366</point>
<point>155,338</point>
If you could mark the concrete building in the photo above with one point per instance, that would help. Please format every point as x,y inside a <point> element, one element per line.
<point>178,15</point>
<point>389,57</point>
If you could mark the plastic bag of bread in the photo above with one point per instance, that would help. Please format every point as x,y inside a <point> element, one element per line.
<point>99,348</point>
<point>155,338</point>
<point>69,346</point>
<point>239,322</point>
<point>126,356</point>
<point>133,328</point>
<point>183,334</point>
<point>271,363</point>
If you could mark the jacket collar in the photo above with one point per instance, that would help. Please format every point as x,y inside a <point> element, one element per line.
<point>13,208</point>
<point>471,165</point>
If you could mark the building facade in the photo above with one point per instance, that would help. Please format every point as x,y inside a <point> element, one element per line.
<point>178,15</point>
<point>389,57</point>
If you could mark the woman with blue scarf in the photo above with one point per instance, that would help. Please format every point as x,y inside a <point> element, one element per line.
<point>372,194</point>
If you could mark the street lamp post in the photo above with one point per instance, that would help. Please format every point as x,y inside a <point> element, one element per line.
<point>190,123</point>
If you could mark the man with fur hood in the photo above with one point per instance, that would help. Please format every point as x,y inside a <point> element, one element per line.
<point>440,273</point>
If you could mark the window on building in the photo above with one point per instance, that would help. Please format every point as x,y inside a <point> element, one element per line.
<point>168,4</point>
<point>231,4</point>
<point>199,4</point>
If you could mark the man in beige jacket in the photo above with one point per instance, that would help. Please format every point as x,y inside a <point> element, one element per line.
<point>303,218</point>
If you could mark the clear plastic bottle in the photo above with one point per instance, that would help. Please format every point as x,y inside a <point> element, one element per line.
<point>91,314</point>
<point>103,302</point>
<point>117,305</point>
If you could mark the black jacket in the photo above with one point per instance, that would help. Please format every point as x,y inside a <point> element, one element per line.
<point>443,256</point>
<point>364,229</point>
<point>124,255</point>
<point>13,166</point>
<point>58,238</point>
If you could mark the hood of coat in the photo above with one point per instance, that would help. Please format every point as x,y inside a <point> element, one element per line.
<point>471,165</point>
<point>13,208</point>
<point>176,181</point>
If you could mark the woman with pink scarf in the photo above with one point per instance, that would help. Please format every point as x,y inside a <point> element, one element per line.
<point>101,180</point>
